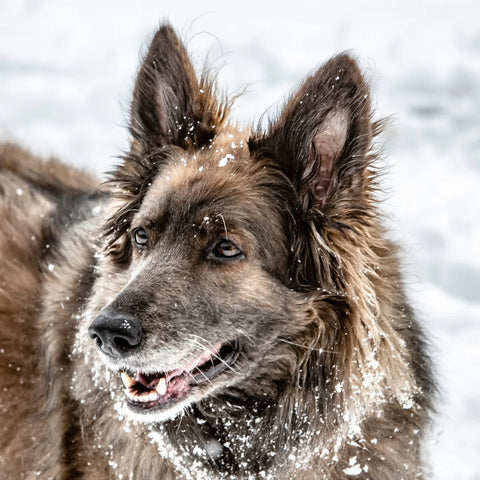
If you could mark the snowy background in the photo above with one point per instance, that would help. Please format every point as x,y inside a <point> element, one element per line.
<point>66,74</point>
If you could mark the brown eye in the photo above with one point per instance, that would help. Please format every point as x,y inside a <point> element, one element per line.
<point>140,238</point>
<point>226,250</point>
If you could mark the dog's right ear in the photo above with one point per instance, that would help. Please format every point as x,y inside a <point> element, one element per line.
<point>170,106</point>
<point>322,141</point>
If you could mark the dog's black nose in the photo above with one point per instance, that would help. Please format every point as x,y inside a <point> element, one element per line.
<point>117,333</point>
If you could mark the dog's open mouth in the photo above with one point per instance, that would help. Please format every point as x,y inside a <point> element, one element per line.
<point>154,391</point>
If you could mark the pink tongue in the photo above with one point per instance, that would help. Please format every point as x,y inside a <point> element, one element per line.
<point>150,381</point>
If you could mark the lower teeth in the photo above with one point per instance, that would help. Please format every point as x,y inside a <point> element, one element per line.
<point>152,396</point>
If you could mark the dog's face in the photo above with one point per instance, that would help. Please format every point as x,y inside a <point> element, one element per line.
<point>202,287</point>
<point>202,290</point>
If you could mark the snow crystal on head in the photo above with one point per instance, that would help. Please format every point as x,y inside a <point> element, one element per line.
<point>224,160</point>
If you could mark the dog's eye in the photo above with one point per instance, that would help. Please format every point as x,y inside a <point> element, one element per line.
<point>226,250</point>
<point>140,238</point>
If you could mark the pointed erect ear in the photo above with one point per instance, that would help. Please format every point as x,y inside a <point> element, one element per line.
<point>323,134</point>
<point>170,106</point>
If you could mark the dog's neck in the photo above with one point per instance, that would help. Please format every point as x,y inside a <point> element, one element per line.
<point>218,436</point>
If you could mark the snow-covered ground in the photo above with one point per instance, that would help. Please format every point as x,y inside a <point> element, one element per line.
<point>66,73</point>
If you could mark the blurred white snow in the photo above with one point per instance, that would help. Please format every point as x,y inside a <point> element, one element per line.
<point>66,73</point>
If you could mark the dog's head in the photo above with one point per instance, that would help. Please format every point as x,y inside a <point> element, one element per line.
<point>220,260</point>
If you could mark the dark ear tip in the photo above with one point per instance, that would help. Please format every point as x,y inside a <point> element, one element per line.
<point>165,35</point>
<point>343,73</point>
<point>346,59</point>
<point>165,28</point>
<point>346,66</point>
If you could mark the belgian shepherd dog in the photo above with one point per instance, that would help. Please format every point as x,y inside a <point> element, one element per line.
<point>226,306</point>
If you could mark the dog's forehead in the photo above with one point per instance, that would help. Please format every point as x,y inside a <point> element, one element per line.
<point>220,178</point>
<point>226,157</point>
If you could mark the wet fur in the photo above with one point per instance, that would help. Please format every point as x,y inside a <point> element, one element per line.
<point>333,377</point>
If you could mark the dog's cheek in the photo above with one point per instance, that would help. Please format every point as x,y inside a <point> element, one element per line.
<point>262,305</point>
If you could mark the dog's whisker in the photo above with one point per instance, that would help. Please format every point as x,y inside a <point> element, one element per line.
<point>203,375</point>
<point>214,354</point>
<point>201,348</point>
<point>224,224</point>
<point>179,424</point>
<point>307,347</point>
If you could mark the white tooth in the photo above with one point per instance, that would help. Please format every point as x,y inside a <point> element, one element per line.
<point>161,387</point>
<point>127,380</point>
<point>152,396</point>
<point>147,397</point>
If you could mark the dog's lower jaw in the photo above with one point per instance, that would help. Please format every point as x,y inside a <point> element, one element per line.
<point>157,416</point>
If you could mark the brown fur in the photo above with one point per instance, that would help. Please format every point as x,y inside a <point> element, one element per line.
<point>332,379</point>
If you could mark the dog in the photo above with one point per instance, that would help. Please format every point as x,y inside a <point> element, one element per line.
<point>228,305</point>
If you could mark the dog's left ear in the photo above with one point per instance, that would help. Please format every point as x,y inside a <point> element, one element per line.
<point>322,136</point>
<point>170,105</point>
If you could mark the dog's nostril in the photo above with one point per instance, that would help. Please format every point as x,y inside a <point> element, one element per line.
<point>116,333</point>
<point>97,340</point>
<point>123,343</point>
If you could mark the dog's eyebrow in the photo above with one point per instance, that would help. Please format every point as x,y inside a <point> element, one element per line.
<point>174,210</point>
<point>156,216</point>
